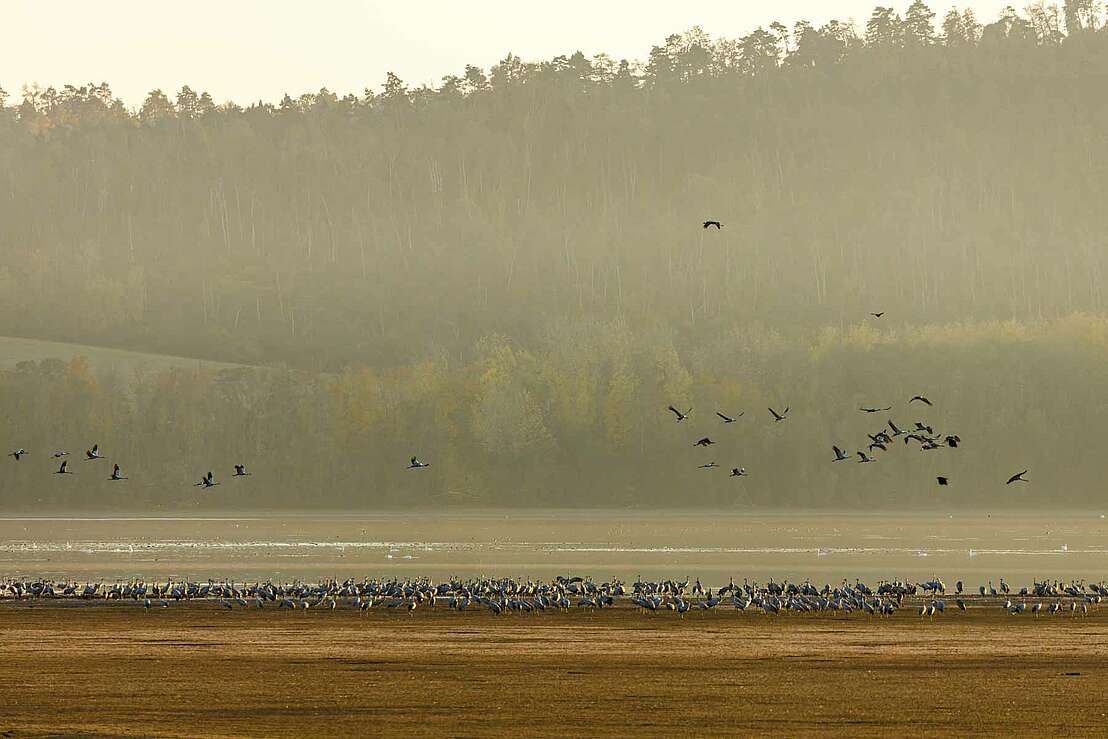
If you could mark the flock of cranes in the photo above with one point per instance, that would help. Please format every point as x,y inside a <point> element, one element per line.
<point>882,440</point>
<point>566,593</point>
<point>207,481</point>
<point>93,454</point>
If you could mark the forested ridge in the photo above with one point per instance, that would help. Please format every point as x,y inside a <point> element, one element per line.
<point>507,273</point>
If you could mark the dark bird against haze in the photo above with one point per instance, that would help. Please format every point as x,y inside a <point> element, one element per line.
<point>704,442</point>
<point>415,464</point>
<point>116,474</point>
<point>840,455</point>
<point>878,315</point>
<point>780,416</point>
<point>921,399</point>
<point>1017,478</point>
<point>738,472</point>
<point>680,416</point>
<point>207,481</point>
<point>93,453</point>
<point>240,471</point>
<point>62,470</point>
<point>717,224</point>
<point>943,480</point>
<point>867,409</point>
<point>18,454</point>
<point>729,419</point>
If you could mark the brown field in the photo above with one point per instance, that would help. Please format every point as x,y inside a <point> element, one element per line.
<point>197,670</point>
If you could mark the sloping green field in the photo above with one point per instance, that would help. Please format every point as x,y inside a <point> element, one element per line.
<point>16,350</point>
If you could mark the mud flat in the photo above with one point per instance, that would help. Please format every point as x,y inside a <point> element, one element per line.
<point>195,669</point>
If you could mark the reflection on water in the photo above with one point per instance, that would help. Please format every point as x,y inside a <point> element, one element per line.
<point>713,546</point>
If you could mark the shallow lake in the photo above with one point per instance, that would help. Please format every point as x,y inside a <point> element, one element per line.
<point>826,547</point>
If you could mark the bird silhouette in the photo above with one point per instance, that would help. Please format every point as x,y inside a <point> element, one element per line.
<point>207,481</point>
<point>868,409</point>
<point>738,472</point>
<point>708,466</point>
<point>116,475</point>
<point>415,464</point>
<point>840,455</point>
<point>921,399</point>
<point>729,419</point>
<point>863,457</point>
<point>240,471</point>
<point>878,315</point>
<point>943,480</point>
<point>93,453</point>
<point>63,469</point>
<point>717,224</point>
<point>680,416</point>
<point>18,454</point>
<point>1017,478</point>
<point>704,442</point>
<point>780,416</point>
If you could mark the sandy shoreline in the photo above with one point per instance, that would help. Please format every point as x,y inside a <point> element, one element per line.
<point>115,669</point>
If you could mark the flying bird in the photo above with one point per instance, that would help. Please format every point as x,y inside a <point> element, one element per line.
<point>1017,478</point>
<point>878,315</point>
<point>840,455</point>
<point>240,471</point>
<point>62,470</point>
<point>921,399</point>
<point>953,441</point>
<point>18,454</point>
<point>780,416</point>
<point>867,409</point>
<point>415,464</point>
<point>894,429</point>
<point>704,442</point>
<point>729,419</point>
<point>60,453</point>
<point>943,480</point>
<point>207,481</point>
<point>717,224</point>
<point>93,453</point>
<point>863,457</point>
<point>117,476</point>
<point>680,416</point>
<point>738,472</point>
<point>708,466</point>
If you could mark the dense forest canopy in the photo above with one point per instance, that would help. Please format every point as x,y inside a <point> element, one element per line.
<point>508,272</point>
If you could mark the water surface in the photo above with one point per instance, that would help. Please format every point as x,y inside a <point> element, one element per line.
<point>975,547</point>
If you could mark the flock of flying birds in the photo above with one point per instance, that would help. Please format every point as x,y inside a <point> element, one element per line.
<point>206,482</point>
<point>885,437</point>
<point>882,440</point>
<point>93,454</point>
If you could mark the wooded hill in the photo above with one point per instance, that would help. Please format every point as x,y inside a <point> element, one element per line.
<point>508,273</point>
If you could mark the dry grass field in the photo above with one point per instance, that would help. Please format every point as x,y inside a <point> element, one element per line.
<point>196,669</point>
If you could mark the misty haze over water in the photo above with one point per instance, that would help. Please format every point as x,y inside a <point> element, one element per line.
<point>714,546</point>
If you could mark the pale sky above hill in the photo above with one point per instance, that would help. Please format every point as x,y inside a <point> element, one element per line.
<point>247,50</point>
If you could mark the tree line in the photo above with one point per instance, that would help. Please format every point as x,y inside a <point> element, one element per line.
<point>580,419</point>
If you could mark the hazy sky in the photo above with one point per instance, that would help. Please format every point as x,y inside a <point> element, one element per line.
<point>253,49</point>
